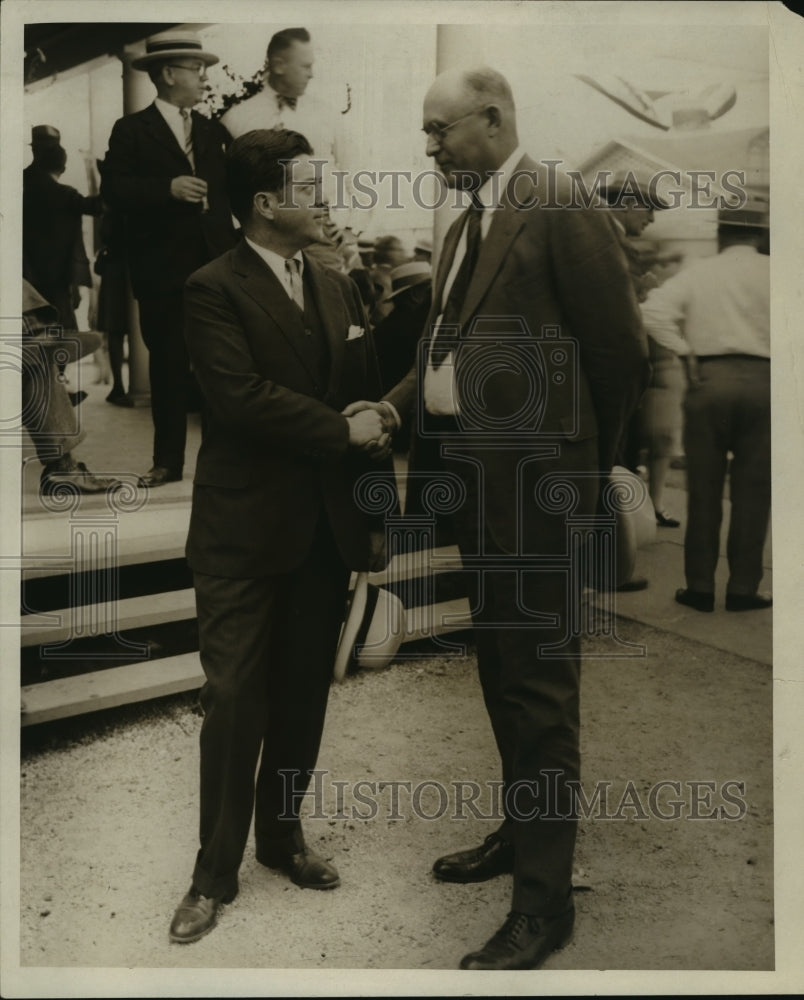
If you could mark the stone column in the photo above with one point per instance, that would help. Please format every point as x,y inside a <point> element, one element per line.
<point>138,92</point>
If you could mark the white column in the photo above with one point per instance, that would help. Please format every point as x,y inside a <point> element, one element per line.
<point>138,92</point>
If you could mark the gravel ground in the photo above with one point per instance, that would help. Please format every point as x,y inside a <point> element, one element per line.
<point>109,820</point>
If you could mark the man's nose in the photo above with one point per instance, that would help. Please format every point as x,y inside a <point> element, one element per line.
<point>432,146</point>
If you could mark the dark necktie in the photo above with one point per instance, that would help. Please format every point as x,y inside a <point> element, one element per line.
<point>286,102</point>
<point>295,280</point>
<point>446,339</point>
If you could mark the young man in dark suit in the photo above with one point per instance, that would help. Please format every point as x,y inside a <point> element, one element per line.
<point>280,346</point>
<point>536,362</point>
<point>164,171</point>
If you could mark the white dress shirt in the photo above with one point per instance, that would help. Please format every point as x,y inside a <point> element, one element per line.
<point>276,262</point>
<point>440,397</point>
<point>715,305</point>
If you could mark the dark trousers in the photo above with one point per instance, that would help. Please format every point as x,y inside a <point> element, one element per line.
<point>729,410</point>
<point>162,325</point>
<point>267,649</point>
<point>532,694</point>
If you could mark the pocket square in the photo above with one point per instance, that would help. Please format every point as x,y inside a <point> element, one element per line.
<point>355,332</point>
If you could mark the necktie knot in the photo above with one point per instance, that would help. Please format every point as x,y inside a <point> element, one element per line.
<point>286,102</point>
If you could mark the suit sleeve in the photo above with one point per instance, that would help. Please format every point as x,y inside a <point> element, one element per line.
<point>241,398</point>
<point>597,297</point>
<point>125,182</point>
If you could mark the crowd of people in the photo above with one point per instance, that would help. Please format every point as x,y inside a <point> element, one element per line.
<point>304,342</point>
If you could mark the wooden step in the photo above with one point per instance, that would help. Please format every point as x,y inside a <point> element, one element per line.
<point>90,692</point>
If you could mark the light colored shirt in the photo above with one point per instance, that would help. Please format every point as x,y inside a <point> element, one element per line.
<point>314,120</point>
<point>172,115</point>
<point>715,305</point>
<point>440,397</point>
<point>276,262</point>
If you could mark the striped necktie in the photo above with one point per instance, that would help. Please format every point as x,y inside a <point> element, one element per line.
<point>295,282</point>
<point>188,134</point>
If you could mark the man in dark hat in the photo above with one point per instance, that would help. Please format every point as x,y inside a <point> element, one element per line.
<point>54,260</point>
<point>164,171</point>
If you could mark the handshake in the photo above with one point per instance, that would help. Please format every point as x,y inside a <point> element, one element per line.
<point>371,426</point>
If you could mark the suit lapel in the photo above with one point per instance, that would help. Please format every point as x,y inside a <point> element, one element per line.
<point>259,282</point>
<point>329,302</point>
<point>161,132</point>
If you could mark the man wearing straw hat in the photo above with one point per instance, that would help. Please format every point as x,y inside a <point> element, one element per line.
<point>164,171</point>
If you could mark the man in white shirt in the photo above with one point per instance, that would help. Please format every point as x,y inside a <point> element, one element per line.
<point>284,104</point>
<point>715,314</point>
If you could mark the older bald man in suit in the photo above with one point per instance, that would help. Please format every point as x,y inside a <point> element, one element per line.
<point>533,361</point>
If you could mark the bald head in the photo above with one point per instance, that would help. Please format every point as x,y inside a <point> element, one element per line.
<point>470,121</point>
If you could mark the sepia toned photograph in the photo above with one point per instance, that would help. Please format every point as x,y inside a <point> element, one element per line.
<point>388,505</point>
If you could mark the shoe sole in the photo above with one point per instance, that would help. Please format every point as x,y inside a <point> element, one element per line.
<point>471,880</point>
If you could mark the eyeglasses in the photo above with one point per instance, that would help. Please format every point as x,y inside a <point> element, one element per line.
<point>435,131</point>
<point>198,70</point>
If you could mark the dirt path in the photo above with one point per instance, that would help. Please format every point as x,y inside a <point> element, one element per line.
<point>109,819</point>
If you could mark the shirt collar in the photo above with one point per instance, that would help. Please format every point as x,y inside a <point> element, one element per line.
<point>167,109</point>
<point>495,185</point>
<point>275,260</point>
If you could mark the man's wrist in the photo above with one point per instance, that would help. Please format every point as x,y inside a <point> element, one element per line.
<point>393,412</point>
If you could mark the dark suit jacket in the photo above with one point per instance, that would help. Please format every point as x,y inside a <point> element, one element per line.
<point>275,450</point>
<point>166,239</point>
<point>53,254</point>
<point>541,270</point>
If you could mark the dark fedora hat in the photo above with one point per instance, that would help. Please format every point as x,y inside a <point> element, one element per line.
<point>173,45</point>
<point>45,135</point>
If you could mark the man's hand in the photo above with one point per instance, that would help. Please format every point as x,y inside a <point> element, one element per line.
<point>365,428</point>
<point>692,369</point>
<point>187,188</point>
<point>380,446</point>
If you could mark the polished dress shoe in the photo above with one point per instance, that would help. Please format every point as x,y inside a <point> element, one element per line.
<point>196,915</point>
<point>664,520</point>
<point>120,399</point>
<point>523,942</point>
<point>159,475</point>
<point>303,866</point>
<point>698,599</point>
<point>62,478</point>
<point>495,856</point>
<point>748,602</point>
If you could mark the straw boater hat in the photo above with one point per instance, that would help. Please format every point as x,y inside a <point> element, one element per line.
<point>173,45</point>
<point>623,190</point>
<point>408,275</point>
<point>373,630</point>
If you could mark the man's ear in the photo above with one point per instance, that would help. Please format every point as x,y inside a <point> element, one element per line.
<point>264,204</point>
<point>494,118</point>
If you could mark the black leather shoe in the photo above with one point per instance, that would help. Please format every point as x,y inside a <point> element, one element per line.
<point>159,475</point>
<point>664,520</point>
<point>304,867</point>
<point>698,599</point>
<point>495,856</point>
<point>196,915</point>
<point>523,942</point>
<point>748,602</point>
<point>74,477</point>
